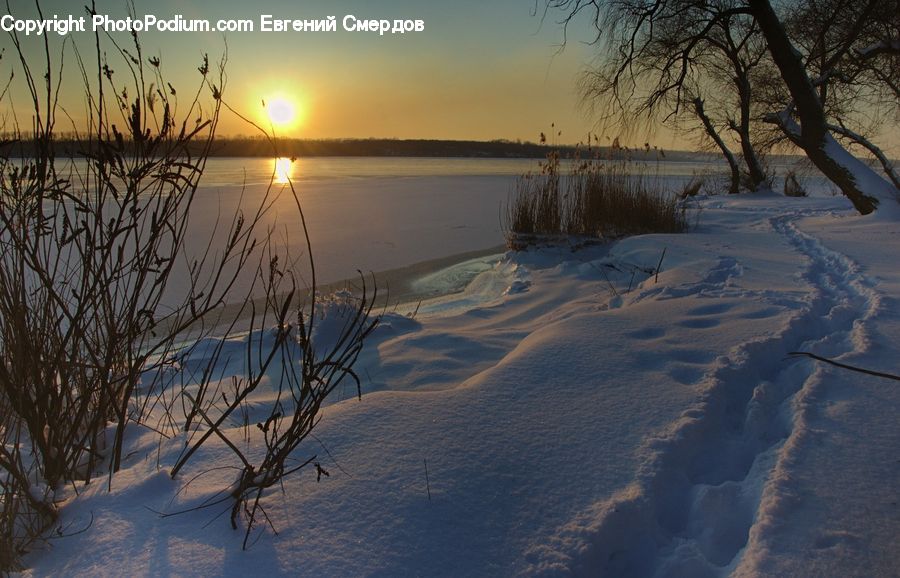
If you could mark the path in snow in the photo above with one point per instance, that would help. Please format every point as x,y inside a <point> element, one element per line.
<point>844,302</point>
<point>694,504</point>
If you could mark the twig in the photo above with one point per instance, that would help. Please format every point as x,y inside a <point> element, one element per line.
<point>659,266</point>
<point>202,506</point>
<point>845,366</point>
<point>427,481</point>
<point>313,436</point>
<point>63,532</point>
<point>609,283</point>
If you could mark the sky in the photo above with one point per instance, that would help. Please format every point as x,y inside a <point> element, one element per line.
<point>480,69</point>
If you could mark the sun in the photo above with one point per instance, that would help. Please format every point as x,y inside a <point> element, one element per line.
<point>281,111</point>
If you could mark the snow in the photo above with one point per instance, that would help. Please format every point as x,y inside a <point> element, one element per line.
<point>868,180</point>
<point>578,414</point>
<point>887,45</point>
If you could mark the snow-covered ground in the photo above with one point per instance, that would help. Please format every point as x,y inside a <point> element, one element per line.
<point>578,414</point>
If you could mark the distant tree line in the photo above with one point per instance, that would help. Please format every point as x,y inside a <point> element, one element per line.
<point>376,147</point>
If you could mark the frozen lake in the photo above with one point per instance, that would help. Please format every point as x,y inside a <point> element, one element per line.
<point>378,214</point>
<point>370,214</point>
<point>373,214</point>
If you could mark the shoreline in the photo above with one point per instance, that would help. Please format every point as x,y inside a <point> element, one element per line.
<point>404,285</point>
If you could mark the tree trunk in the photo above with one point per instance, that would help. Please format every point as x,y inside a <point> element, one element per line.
<point>729,156</point>
<point>812,135</point>
<point>754,168</point>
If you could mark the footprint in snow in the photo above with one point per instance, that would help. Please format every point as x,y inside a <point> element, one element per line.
<point>713,309</point>
<point>701,323</point>
<point>517,287</point>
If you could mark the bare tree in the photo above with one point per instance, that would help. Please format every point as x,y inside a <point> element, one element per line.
<point>804,120</point>
<point>658,62</point>
<point>857,87</point>
<point>656,47</point>
<point>713,134</point>
<point>738,52</point>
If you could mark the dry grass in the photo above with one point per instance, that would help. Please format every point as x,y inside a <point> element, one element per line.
<point>597,199</point>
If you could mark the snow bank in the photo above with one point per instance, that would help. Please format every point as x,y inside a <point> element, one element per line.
<point>578,412</point>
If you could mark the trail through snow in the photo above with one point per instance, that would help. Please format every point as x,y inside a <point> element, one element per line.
<point>725,465</point>
<point>579,415</point>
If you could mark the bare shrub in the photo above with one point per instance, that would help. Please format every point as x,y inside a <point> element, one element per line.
<point>92,239</point>
<point>691,188</point>
<point>25,505</point>
<point>309,362</point>
<point>792,186</point>
<point>88,246</point>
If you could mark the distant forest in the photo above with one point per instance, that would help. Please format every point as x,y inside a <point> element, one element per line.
<point>378,147</point>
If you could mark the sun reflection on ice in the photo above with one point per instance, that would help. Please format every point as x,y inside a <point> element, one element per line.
<point>284,170</point>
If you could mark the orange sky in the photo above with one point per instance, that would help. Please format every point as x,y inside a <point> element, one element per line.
<point>479,70</point>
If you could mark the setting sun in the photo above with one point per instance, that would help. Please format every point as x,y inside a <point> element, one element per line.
<point>281,112</point>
